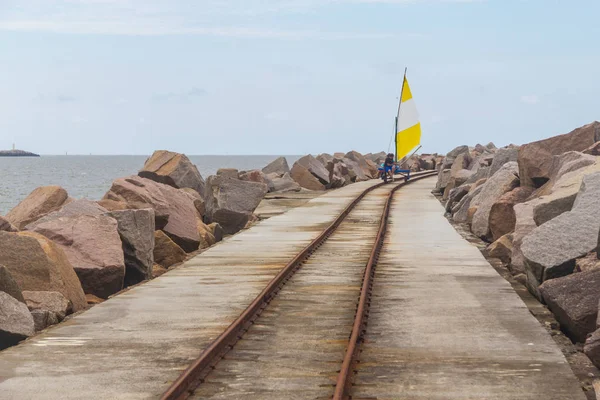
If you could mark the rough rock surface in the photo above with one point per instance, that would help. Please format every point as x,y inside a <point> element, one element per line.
<point>574,301</point>
<point>53,302</point>
<point>166,251</point>
<point>231,202</point>
<point>452,154</point>
<point>460,212</point>
<point>455,195</point>
<point>255,175</point>
<point>503,181</point>
<point>136,229</point>
<point>315,168</point>
<point>501,248</point>
<point>93,246</point>
<point>173,169</point>
<point>36,263</point>
<point>217,231</point>
<point>503,156</point>
<point>305,179</point>
<point>207,238</point>
<point>278,166</point>
<point>502,218</point>
<point>524,224</point>
<point>9,285</point>
<point>43,319</point>
<point>230,173</point>
<point>587,263</point>
<point>443,179</point>
<point>76,207</point>
<point>16,322</point>
<point>40,202</point>
<point>175,212</point>
<point>535,159</point>
<point>368,168</point>
<point>481,173</point>
<point>282,184</point>
<point>593,150</point>
<point>551,249</point>
<point>6,226</point>
<point>197,200</point>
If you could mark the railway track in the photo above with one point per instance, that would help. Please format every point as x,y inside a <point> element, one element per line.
<point>293,341</point>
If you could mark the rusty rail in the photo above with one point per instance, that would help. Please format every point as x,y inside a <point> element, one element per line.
<point>199,369</point>
<point>344,379</point>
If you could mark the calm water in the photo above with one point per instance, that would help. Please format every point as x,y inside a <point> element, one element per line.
<point>91,176</point>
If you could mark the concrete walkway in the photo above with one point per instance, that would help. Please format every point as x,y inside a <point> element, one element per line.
<point>444,325</point>
<point>134,345</point>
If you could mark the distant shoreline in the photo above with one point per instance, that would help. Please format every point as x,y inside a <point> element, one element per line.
<point>17,153</point>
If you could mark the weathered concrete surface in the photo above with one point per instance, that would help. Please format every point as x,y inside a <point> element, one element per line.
<point>444,325</point>
<point>134,345</point>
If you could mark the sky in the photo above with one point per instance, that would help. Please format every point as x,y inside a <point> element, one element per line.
<point>291,76</point>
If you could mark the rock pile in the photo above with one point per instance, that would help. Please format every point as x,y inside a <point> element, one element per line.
<point>59,255</point>
<point>539,206</point>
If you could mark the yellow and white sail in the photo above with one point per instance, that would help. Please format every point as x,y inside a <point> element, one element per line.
<point>408,127</point>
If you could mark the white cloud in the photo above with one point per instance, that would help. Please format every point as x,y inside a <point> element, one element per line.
<point>530,99</point>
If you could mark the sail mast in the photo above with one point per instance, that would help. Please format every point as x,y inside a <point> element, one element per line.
<point>396,125</point>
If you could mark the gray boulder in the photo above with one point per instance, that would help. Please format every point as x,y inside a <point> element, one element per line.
<point>444,176</point>
<point>481,173</point>
<point>136,229</point>
<point>230,173</point>
<point>460,212</point>
<point>278,166</point>
<point>503,181</point>
<point>452,154</point>
<point>16,322</point>
<point>231,202</point>
<point>551,249</point>
<point>283,184</point>
<point>501,157</point>
<point>43,319</point>
<point>456,195</point>
<point>574,302</point>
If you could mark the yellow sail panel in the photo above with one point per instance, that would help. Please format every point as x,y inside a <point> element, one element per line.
<point>408,129</point>
<point>408,139</point>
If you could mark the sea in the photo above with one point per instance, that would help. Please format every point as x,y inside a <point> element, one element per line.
<point>91,176</point>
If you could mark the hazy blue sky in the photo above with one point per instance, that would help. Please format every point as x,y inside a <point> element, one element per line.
<point>291,76</point>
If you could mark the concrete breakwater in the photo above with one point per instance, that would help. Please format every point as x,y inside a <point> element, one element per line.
<point>60,255</point>
<point>538,207</point>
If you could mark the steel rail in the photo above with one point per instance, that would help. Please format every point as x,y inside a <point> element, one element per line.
<point>184,385</point>
<point>344,379</point>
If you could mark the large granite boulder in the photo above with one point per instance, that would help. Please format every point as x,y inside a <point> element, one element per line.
<point>136,229</point>
<point>501,157</point>
<point>16,322</point>
<point>231,202</point>
<point>502,218</point>
<point>305,179</point>
<point>574,300</point>
<point>461,162</point>
<point>173,169</point>
<point>444,176</point>
<point>317,169</point>
<point>455,195</point>
<point>283,184</point>
<point>175,212</point>
<point>255,175</point>
<point>93,247</point>
<point>452,154</point>
<point>535,159</point>
<point>231,173</point>
<point>457,179</point>
<point>76,207</point>
<point>9,285</point>
<point>503,181</point>
<point>368,167</point>
<point>207,238</point>
<point>198,201</point>
<point>550,250</point>
<point>166,251</point>
<point>6,226</point>
<point>460,212</point>
<point>40,202</point>
<point>37,263</point>
<point>356,173</point>
<point>278,166</point>
<point>481,173</point>
<point>53,302</point>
